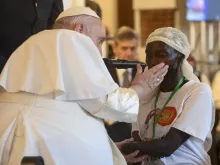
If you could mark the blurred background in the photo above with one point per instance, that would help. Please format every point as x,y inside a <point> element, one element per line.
<point>198,19</point>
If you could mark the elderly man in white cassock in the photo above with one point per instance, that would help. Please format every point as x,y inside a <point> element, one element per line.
<point>55,91</point>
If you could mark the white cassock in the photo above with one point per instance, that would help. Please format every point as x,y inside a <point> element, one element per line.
<point>55,91</point>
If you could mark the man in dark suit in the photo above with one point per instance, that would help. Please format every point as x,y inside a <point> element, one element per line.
<point>125,48</point>
<point>21,19</point>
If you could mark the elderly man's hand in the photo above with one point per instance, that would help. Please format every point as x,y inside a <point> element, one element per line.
<point>131,158</point>
<point>145,82</point>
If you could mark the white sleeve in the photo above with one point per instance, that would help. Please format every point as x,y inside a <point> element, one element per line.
<point>197,117</point>
<point>120,105</point>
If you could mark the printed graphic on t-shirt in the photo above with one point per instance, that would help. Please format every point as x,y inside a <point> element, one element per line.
<point>166,118</point>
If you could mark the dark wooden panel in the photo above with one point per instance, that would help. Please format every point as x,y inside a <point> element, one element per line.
<point>153,19</point>
<point>125,13</point>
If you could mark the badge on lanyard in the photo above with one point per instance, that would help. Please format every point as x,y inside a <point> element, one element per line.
<point>156,119</point>
<point>167,116</point>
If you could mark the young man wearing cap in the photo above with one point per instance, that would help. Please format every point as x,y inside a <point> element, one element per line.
<point>175,126</point>
<point>55,91</point>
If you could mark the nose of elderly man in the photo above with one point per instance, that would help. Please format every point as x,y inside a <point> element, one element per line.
<point>145,82</point>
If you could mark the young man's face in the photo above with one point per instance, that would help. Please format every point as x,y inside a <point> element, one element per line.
<point>158,52</point>
<point>126,50</point>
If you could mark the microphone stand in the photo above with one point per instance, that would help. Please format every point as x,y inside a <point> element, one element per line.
<point>123,64</point>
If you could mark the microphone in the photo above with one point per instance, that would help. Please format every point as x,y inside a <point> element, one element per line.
<point>123,64</point>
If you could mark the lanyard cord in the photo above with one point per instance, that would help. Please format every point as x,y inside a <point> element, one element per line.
<point>168,100</point>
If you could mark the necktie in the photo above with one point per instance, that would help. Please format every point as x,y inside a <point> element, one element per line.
<point>35,3</point>
<point>126,82</point>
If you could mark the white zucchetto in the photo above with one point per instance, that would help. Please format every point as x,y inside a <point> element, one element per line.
<point>74,11</point>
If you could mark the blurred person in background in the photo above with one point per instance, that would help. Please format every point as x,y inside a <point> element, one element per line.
<point>95,7</point>
<point>201,76</point>
<point>216,89</point>
<point>22,19</point>
<point>125,45</point>
<point>216,97</point>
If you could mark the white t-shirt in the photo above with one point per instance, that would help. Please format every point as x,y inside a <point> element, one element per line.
<point>192,112</point>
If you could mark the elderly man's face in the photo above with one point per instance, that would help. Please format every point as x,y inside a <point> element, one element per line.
<point>157,52</point>
<point>96,32</point>
<point>126,49</point>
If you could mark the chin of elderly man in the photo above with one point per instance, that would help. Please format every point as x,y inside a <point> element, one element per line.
<point>56,91</point>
